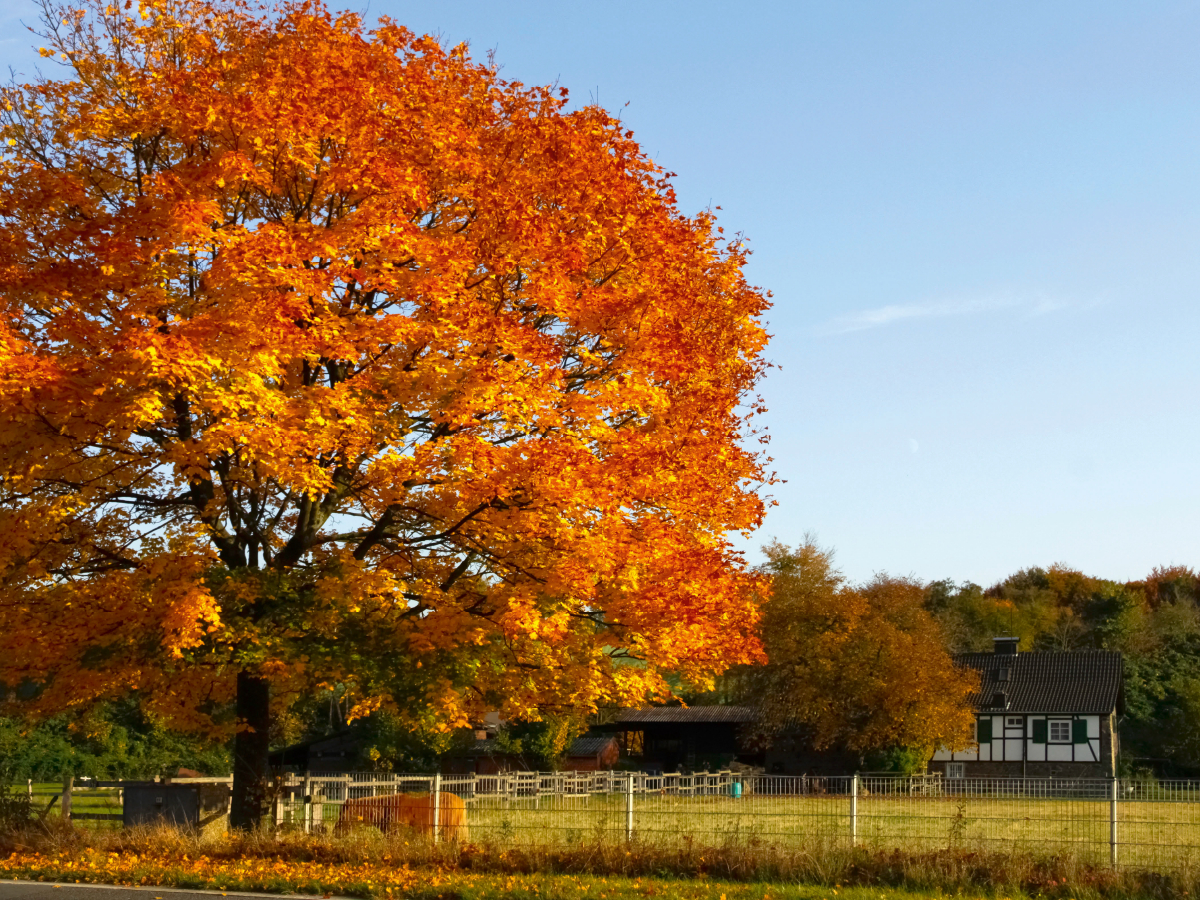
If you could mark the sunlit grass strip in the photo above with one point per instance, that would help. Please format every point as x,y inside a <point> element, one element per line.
<point>92,866</point>
<point>386,881</point>
<point>366,863</point>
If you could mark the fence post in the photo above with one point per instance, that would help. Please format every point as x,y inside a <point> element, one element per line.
<point>68,784</point>
<point>308,803</point>
<point>629,808</point>
<point>30,789</point>
<point>437,806</point>
<point>854,811</point>
<point>1112,822</point>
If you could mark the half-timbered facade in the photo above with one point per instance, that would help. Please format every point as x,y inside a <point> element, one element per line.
<point>1041,715</point>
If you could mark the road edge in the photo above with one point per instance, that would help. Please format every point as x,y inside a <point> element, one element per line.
<point>215,892</point>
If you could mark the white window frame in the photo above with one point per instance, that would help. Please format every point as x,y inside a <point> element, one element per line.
<point>956,770</point>
<point>1050,728</point>
<point>1014,722</point>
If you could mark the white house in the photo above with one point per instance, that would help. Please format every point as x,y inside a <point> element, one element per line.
<point>1041,714</point>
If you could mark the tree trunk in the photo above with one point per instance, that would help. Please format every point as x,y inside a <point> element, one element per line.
<point>250,748</point>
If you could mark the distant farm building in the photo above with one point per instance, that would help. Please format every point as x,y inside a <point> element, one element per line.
<point>340,752</point>
<point>592,753</point>
<point>673,738</point>
<point>1041,715</point>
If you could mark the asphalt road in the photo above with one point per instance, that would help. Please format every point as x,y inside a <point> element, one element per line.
<point>39,890</point>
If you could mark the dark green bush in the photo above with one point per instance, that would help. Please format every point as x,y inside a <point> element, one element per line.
<point>16,811</point>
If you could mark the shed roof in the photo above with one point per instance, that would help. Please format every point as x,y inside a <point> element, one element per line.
<point>590,745</point>
<point>484,747</point>
<point>1079,682</point>
<point>690,714</point>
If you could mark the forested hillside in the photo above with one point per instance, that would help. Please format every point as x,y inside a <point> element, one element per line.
<point>1154,622</point>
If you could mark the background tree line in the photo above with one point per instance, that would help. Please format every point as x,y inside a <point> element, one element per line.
<point>861,667</point>
<point>868,668</point>
<point>1154,622</point>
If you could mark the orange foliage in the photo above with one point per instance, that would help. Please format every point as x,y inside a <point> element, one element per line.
<point>1168,584</point>
<point>860,668</point>
<point>368,878</point>
<point>328,355</point>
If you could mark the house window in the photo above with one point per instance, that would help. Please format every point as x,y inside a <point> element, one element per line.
<point>1014,721</point>
<point>1060,731</point>
<point>955,770</point>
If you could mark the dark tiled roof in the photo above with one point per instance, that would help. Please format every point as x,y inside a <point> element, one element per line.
<point>1081,682</point>
<point>488,747</point>
<point>732,714</point>
<point>591,745</point>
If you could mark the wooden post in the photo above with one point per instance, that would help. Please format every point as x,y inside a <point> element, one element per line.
<point>308,803</point>
<point>68,784</point>
<point>1112,822</point>
<point>854,811</point>
<point>437,806</point>
<point>629,808</point>
<point>29,787</point>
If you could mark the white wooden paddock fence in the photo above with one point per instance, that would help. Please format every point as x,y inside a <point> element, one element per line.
<point>1154,824</point>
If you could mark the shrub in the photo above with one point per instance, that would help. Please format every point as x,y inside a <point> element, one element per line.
<point>16,810</point>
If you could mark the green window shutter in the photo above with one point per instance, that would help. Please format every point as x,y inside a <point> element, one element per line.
<point>985,731</point>
<point>1079,731</point>
<point>1039,731</point>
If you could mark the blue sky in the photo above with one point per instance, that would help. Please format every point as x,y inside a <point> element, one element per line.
<point>980,224</point>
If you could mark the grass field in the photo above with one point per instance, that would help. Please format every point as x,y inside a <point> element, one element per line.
<point>367,863</point>
<point>1152,834</point>
<point>83,801</point>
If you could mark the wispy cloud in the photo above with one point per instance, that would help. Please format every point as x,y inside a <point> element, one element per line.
<point>1033,305</point>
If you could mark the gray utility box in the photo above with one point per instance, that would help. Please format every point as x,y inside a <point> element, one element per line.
<point>152,803</point>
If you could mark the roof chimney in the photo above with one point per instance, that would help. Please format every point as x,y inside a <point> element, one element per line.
<point>1005,646</point>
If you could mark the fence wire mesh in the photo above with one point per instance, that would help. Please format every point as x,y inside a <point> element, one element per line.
<point>1131,823</point>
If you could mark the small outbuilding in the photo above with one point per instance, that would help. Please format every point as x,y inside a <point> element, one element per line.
<point>332,754</point>
<point>592,753</point>
<point>484,757</point>
<point>675,738</point>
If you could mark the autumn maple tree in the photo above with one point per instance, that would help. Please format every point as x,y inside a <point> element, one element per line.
<point>328,356</point>
<point>856,668</point>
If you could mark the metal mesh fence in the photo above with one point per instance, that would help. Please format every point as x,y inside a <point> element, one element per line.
<point>1133,823</point>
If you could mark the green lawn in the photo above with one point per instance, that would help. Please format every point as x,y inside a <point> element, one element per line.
<point>1149,833</point>
<point>83,800</point>
<point>564,887</point>
<point>440,885</point>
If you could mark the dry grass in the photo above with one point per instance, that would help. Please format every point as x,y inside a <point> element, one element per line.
<point>1151,834</point>
<point>363,861</point>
